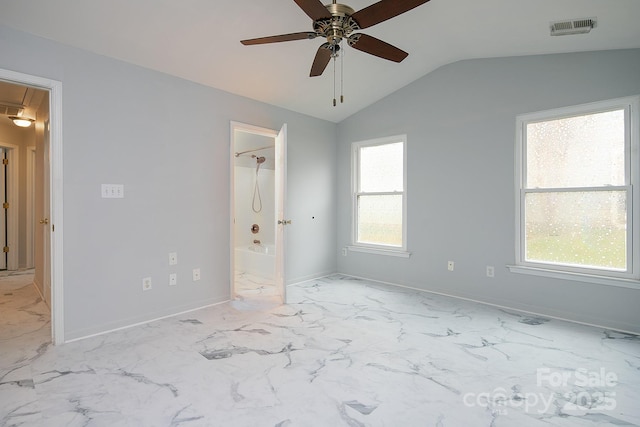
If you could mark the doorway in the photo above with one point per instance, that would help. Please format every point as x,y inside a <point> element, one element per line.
<point>258,178</point>
<point>48,225</point>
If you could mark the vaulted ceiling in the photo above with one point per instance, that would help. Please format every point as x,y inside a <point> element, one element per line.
<point>199,40</point>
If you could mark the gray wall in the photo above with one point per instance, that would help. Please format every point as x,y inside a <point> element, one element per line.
<point>167,141</point>
<point>460,124</point>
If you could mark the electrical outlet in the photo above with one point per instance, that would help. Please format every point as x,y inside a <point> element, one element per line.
<point>146,284</point>
<point>450,265</point>
<point>344,251</point>
<point>173,258</point>
<point>196,274</point>
<point>173,279</point>
<point>490,271</point>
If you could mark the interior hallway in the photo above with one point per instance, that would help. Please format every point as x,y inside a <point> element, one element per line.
<point>344,352</point>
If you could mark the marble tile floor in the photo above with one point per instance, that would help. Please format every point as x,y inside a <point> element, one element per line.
<point>255,292</point>
<point>343,352</point>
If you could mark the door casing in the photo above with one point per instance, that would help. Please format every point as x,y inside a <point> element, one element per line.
<point>54,184</point>
<point>280,189</point>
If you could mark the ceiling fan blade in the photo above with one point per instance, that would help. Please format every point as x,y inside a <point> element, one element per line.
<point>281,38</point>
<point>377,47</point>
<point>383,10</point>
<point>320,62</point>
<point>314,8</point>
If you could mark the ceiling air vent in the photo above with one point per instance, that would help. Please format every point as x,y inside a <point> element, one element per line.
<point>9,110</point>
<point>572,26</point>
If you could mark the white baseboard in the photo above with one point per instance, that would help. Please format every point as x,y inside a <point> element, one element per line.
<point>501,306</point>
<point>144,322</point>
<point>37,286</point>
<point>302,279</point>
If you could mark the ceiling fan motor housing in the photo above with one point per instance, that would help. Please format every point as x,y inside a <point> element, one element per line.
<point>337,27</point>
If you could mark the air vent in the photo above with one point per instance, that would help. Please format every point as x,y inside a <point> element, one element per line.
<point>572,26</point>
<point>9,110</point>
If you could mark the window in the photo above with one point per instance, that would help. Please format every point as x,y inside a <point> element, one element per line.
<point>379,195</point>
<point>577,183</point>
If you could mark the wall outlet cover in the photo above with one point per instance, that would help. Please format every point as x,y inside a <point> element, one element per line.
<point>490,271</point>
<point>173,258</point>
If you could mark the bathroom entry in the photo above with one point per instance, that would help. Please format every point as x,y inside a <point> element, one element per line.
<point>258,178</point>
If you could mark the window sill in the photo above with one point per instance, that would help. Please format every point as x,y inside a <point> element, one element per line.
<point>378,251</point>
<point>580,277</point>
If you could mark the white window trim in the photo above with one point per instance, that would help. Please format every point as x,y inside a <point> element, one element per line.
<point>355,165</point>
<point>628,279</point>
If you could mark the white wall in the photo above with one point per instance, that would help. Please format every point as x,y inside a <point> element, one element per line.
<point>122,125</point>
<point>460,123</point>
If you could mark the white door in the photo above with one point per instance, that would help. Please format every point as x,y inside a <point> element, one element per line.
<point>3,209</point>
<point>281,191</point>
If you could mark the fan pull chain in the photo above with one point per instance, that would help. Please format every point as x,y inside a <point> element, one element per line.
<point>334,78</point>
<point>341,74</point>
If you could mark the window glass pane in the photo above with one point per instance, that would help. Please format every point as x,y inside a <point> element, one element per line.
<point>586,229</point>
<point>583,151</point>
<point>380,220</point>
<point>381,168</point>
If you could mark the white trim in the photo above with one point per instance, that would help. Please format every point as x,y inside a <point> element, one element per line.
<point>379,251</point>
<point>308,277</point>
<point>56,192</point>
<point>355,193</point>
<point>256,130</point>
<point>580,277</point>
<point>504,307</point>
<point>625,278</point>
<point>35,285</point>
<point>97,334</point>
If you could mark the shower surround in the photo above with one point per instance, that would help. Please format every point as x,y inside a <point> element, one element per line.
<point>245,216</point>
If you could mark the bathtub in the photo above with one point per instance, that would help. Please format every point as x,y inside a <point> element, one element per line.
<point>259,260</point>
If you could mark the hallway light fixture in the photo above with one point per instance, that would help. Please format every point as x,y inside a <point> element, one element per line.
<point>22,121</point>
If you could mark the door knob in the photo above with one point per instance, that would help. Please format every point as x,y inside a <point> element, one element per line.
<point>44,221</point>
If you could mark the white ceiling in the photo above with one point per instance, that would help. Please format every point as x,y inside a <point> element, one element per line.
<point>199,40</point>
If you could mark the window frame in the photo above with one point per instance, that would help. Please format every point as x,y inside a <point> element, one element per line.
<point>383,249</point>
<point>628,278</point>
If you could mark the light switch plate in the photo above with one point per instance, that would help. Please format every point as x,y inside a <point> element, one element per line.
<point>112,191</point>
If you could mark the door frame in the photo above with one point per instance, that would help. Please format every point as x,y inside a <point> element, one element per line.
<point>55,184</point>
<point>270,133</point>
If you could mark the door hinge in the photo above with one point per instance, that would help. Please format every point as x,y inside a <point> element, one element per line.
<point>5,161</point>
<point>5,249</point>
<point>5,205</point>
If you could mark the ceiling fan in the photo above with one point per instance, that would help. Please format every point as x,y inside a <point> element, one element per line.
<point>336,22</point>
